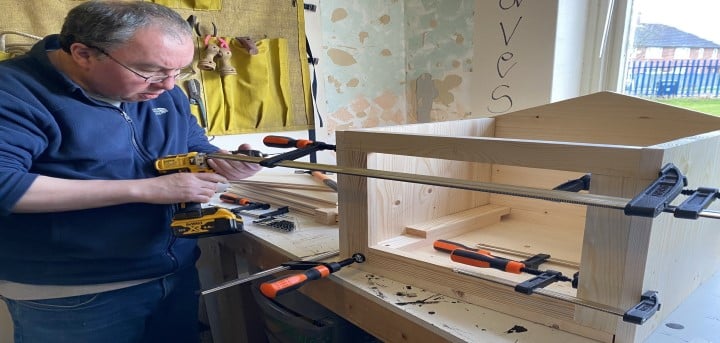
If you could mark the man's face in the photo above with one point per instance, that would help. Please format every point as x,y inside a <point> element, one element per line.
<point>149,53</point>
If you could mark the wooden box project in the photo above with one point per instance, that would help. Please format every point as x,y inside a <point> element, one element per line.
<point>622,142</point>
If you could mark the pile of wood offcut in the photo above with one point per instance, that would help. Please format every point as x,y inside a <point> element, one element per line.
<point>302,193</point>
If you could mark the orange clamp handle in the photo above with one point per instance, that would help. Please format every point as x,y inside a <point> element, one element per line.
<point>285,142</point>
<point>292,282</point>
<point>476,259</point>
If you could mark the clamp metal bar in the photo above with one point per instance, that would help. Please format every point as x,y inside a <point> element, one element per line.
<point>595,200</point>
<point>264,273</point>
<point>521,191</point>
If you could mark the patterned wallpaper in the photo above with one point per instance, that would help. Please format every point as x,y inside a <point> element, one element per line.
<point>388,62</point>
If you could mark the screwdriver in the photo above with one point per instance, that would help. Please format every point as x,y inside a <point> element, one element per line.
<point>232,198</point>
<point>320,177</point>
<point>326,180</point>
<point>281,286</point>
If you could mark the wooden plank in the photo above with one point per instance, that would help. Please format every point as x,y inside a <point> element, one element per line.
<point>302,201</point>
<point>328,216</point>
<point>458,223</point>
<point>605,118</point>
<point>586,157</point>
<point>299,181</point>
<point>312,197</point>
<point>353,205</point>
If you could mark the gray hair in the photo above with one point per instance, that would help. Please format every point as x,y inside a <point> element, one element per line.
<point>107,24</point>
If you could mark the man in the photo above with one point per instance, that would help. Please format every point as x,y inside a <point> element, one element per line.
<point>86,251</point>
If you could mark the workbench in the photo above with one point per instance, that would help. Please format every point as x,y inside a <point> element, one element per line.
<point>389,310</point>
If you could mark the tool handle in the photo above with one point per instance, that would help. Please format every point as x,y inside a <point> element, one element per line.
<point>193,87</point>
<point>486,261</point>
<point>194,92</point>
<point>449,247</point>
<point>285,142</point>
<point>295,281</point>
<point>322,177</point>
<point>232,198</point>
<point>292,282</point>
<point>289,156</point>
<point>188,210</point>
<point>580,184</point>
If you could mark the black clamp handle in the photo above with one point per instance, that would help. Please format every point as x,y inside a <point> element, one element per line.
<point>295,154</point>
<point>544,279</point>
<point>658,196</point>
<point>644,310</point>
<point>698,201</point>
<point>301,265</point>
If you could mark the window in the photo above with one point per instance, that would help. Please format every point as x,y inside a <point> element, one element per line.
<point>653,53</point>
<point>663,50</point>
<point>681,53</point>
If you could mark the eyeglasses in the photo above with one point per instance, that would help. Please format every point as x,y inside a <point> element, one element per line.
<point>148,79</point>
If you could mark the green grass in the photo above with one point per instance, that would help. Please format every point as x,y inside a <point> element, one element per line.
<point>709,106</point>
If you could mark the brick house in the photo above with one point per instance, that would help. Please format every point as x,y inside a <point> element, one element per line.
<point>658,42</point>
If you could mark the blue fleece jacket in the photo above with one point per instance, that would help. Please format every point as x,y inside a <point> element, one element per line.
<point>49,126</point>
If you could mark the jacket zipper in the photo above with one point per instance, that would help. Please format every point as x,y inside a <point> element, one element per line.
<point>169,251</point>
<point>146,156</point>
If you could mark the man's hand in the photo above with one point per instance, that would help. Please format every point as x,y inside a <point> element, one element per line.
<point>184,187</point>
<point>234,170</point>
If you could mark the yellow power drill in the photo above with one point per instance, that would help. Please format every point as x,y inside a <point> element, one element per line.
<point>192,220</point>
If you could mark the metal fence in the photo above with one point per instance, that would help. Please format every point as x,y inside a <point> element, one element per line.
<point>676,78</point>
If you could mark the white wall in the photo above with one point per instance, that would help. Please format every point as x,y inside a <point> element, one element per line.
<point>513,55</point>
<point>569,46</point>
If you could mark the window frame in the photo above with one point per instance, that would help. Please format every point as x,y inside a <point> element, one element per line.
<point>605,52</point>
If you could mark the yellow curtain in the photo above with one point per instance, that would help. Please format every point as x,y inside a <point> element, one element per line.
<point>192,4</point>
<point>257,97</point>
